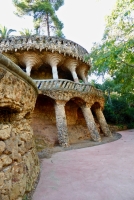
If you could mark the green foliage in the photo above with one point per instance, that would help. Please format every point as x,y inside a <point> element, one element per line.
<point>114,55</point>
<point>5,32</point>
<point>119,107</point>
<point>25,197</point>
<point>43,12</point>
<point>59,33</point>
<point>119,112</point>
<point>26,32</point>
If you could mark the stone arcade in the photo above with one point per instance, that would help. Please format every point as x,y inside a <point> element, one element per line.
<point>67,107</point>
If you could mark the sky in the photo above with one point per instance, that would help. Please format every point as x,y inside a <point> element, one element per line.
<point>84,20</point>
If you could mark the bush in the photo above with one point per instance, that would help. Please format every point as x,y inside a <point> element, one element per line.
<point>119,112</point>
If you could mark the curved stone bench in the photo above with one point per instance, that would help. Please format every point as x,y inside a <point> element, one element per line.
<point>19,165</point>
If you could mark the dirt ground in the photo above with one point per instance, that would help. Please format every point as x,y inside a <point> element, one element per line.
<point>47,152</point>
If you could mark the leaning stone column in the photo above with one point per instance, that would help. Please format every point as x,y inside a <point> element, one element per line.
<point>83,72</point>
<point>102,122</point>
<point>90,123</point>
<point>61,123</point>
<point>75,77</point>
<point>71,66</point>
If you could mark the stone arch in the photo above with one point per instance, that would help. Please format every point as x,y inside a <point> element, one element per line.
<point>95,105</point>
<point>64,73</point>
<point>43,72</point>
<point>44,121</point>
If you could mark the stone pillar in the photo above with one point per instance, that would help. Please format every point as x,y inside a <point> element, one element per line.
<point>75,77</point>
<point>90,123</point>
<point>55,72</point>
<point>28,69</point>
<point>83,72</point>
<point>84,78</point>
<point>71,65</point>
<point>53,59</point>
<point>102,122</point>
<point>61,123</point>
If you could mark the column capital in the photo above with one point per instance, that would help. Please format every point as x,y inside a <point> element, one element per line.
<point>86,105</point>
<point>60,102</point>
<point>53,59</point>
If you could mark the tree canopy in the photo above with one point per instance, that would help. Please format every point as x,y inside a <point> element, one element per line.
<point>114,55</point>
<point>43,12</point>
<point>119,107</point>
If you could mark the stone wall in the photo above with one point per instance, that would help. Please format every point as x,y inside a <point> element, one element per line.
<point>19,165</point>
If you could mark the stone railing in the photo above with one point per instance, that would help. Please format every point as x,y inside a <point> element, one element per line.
<point>53,44</point>
<point>67,85</point>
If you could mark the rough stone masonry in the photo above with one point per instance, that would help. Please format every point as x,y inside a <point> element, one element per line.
<point>19,165</point>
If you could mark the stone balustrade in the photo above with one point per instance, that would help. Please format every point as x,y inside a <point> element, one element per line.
<point>53,44</point>
<point>67,85</point>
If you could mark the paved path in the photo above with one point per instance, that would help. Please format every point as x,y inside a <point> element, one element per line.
<point>104,172</point>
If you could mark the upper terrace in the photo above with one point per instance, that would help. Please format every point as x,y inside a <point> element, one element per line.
<point>47,57</point>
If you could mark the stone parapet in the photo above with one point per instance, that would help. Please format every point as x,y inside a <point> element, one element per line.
<point>62,89</point>
<point>10,66</point>
<point>19,165</point>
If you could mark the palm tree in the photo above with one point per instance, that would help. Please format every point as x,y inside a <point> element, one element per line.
<point>26,32</point>
<point>5,32</point>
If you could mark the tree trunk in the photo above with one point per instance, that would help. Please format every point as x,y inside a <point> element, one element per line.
<point>109,97</point>
<point>48,28</point>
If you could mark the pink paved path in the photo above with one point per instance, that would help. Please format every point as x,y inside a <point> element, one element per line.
<point>104,172</point>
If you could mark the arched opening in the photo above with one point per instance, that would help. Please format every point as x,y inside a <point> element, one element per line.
<point>44,122</point>
<point>43,72</point>
<point>77,128</point>
<point>64,73</point>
